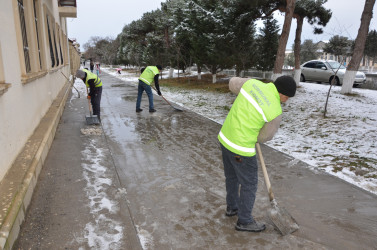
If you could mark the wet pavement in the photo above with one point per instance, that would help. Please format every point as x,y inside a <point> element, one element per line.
<point>155,181</point>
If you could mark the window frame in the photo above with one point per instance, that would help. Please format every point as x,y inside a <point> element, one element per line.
<point>50,40</point>
<point>32,10</point>
<point>39,34</point>
<point>3,85</point>
<point>59,44</point>
<point>26,48</point>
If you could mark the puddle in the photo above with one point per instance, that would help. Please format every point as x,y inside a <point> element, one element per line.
<point>91,131</point>
<point>129,97</point>
<point>118,85</point>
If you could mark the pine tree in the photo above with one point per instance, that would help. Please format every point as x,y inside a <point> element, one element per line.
<point>371,46</point>
<point>308,51</point>
<point>267,44</point>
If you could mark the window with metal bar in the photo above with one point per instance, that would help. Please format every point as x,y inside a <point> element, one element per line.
<point>50,42</point>
<point>24,35</point>
<point>60,47</point>
<point>56,49</point>
<point>36,30</point>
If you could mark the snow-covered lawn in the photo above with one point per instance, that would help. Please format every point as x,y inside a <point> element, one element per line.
<point>343,144</point>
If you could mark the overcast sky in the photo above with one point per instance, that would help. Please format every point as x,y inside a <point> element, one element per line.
<point>107,18</point>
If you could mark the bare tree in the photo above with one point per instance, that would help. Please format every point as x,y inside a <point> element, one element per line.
<point>358,51</point>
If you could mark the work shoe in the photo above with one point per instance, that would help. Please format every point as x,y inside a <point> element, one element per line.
<point>231,212</point>
<point>138,110</point>
<point>251,227</point>
<point>152,110</point>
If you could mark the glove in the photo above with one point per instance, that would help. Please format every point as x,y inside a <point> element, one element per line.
<point>159,92</point>
<point>88,97</point>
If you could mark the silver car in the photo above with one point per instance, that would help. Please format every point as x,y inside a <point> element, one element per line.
<point>324,71</point>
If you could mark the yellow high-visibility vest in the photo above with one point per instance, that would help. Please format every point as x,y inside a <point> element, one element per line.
<point>148,74</point>
<point>89,76</point>
<point>256,104</point>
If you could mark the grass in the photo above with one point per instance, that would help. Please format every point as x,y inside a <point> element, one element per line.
<point>361,166</point>
<point>192,82</point>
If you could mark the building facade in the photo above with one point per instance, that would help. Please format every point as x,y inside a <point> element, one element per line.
<point>34,50</point>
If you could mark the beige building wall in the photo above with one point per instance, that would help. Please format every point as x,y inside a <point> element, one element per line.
<point>74,57</point>
<point>28,86</point>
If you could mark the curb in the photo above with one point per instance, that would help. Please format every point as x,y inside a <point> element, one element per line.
<point>19,183</point>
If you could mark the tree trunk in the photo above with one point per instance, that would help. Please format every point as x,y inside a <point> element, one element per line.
<point>167,37</point>
<point>279,62</point>
<point>213,71</point>
<point>214,78</point>
<point>297,50</point>
<point>171,70</point>
<point>358,52</point>
<point>238,71</point>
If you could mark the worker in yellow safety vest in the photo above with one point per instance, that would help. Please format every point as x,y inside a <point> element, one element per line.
<point>254,117</point>
<point>148,75</point>
<point>94,83</point>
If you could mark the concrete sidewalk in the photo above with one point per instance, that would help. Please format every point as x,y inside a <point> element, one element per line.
<point>155,181</point>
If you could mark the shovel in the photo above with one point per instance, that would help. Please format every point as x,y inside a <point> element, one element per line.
<point>282,220</point>
<point>178,109</point>
<point>91,119</point>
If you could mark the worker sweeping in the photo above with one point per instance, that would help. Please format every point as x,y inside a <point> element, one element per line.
<point>254,117</point>
<point>148,75</point>
<point>94,83</point>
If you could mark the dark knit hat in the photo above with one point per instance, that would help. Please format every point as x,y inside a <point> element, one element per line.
<point>159,67</point>
<point>286,85</point>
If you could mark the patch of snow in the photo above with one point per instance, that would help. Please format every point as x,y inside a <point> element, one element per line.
<point>105,232</point>
<point>146,238</point>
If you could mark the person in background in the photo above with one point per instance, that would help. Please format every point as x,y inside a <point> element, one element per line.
<point>94,83</point>
<point>149,74</point>
<point>254,117</point>
<point>91,65</point>
<point>98,69</point>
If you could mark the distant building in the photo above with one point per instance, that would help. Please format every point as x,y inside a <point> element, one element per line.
<point>365,64</point>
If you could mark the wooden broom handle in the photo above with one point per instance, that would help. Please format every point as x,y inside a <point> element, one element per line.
<point>266,179</point>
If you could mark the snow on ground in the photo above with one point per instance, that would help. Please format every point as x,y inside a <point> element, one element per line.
<point>343,144</point>
<point>102,207</point>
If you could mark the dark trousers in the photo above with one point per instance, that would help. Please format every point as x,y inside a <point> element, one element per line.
<point>241,181</point>
<point>96,101</point>
<point>141,87</point>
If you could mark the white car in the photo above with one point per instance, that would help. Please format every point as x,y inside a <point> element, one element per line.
<point>324,71</point>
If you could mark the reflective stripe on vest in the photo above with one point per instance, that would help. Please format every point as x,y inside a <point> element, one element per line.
<point>89,76</point>
<point>240,148</point>
<point>148,74</point>
<point>256,104</point>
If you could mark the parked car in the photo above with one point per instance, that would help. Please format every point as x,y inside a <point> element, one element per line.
<point>324,71</point>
